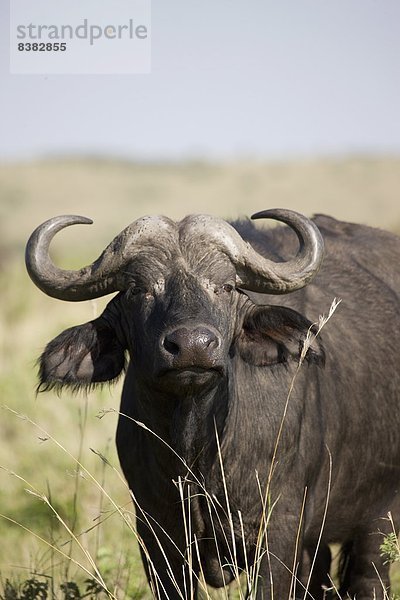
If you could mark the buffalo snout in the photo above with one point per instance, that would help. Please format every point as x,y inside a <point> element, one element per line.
<point>191,346</point>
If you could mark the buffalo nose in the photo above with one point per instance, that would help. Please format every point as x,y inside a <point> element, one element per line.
<point>190,344</point>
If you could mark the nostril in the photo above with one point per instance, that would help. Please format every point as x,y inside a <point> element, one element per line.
<point>210,341</point>
<point>213,343</point>
<point>170,346</point>
<point>206,338</point>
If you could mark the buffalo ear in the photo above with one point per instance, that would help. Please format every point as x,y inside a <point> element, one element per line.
<point>81,356</point>
<point>276,334</point>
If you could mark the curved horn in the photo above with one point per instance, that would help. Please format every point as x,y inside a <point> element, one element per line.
<point>103,276</point>
<point>253,271</point>
<point>282,278</point>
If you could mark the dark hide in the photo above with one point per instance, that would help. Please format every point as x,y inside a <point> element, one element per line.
<point>211,366</point>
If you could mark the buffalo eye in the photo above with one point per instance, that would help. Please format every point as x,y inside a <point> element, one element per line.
<point>227,287</point>
<point>134,290</point>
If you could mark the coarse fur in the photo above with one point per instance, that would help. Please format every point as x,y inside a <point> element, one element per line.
<point>209,372</point>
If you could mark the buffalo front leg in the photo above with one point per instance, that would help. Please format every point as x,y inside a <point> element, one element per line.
<point>279,557</point>
<point>365,576</point>
<point>315,572</point>
<point>169,570</point>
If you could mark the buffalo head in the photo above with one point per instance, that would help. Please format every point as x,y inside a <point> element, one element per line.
<point>181,310</point>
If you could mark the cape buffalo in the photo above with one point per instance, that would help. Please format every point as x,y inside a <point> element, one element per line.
<point>248,443</point>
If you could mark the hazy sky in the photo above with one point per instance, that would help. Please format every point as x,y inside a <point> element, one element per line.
<point>263,78</point>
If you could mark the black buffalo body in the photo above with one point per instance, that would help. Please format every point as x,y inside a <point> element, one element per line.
<point>270,461</point>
